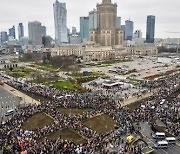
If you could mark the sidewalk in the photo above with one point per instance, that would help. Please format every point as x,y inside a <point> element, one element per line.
<point>25,98</point>
<point>135,99</point>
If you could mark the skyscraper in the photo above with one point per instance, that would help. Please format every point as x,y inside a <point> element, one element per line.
<point>12,32</point>
<point>20,30</point>
<point>129,28</point>
<point>106,33</point>
<point>84,28</point>
<point>150,30</point>
<point>35,34</point>
<point>60,19</point>
<point>137,34</point>
<point>93,19</point>
<point>4,36</point>
<point>43,30</point>
<point>118,23</point>
<point>74,31</point>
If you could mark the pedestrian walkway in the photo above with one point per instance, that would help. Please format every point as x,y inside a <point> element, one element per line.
<point>135,99</point>
<point>25,98</point>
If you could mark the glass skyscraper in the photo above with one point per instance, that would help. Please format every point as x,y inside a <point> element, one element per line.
<point>60,19</point>
<point>150,30</point>
<point>84,28</point>
<point>20,30</point>
<point>93,19</point>
<point>129,28</point>
<point>43,30</point>
<point>4,36</point>
<point>12,32</point>
<point>35,34</point>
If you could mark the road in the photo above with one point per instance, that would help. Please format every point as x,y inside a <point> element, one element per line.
<point>146,132</point>
<point>7,101</point>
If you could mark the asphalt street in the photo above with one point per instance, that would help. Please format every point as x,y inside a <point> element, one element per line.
<point>7,102</point>
<point>147,136</point>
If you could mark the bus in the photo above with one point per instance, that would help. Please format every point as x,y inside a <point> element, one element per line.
<point>161,144</point>
<point>159,135</point>
<point>171,140</point>
<point>9,112</point>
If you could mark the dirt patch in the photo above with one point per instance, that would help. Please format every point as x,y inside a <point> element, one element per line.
<point>101,124</point>
<point>73,111</point>
<point>36,121</point>
<point>66,134</point>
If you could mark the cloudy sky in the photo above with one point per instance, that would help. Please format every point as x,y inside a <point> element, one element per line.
<point>167,13</point>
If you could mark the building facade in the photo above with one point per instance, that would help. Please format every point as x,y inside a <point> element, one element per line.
<point>106,33</point>
<point>129,28</point>
<point>118,23</point>
<point>35,34</point>
<point>137,34</point>
<point>20,31</point>
<point>12,32</point>
<point>4,36</point>
<point>84,28</point>
<point>93,19</point>
<point>150,30</point>
<point>60,20</point>
<point>43,30</point>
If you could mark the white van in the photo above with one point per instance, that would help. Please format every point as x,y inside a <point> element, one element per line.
<point>161,144</point>
<point>159,135</point>
<point>171,140</point>
<point>9,112</point>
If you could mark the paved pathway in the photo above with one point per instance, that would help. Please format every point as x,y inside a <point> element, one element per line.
<point>135,99</point>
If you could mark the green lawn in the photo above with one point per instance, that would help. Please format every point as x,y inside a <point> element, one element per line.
<point>90,74</point>
<point>64,85</point>
<point>47,80</point>
<point>45,67</point>
<point>19,72</point>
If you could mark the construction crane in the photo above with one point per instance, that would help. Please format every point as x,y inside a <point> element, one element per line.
<point>178,39</point>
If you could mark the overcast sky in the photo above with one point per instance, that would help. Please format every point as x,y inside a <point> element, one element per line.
<point>167,13</point>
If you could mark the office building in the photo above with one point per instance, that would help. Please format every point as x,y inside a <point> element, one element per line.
<point>106,33</point>
<point>60,19</point>
<point>74,31</point>
<point>4,36</point>
<point>150,29</point>
<point>118,23</point>
<point>84,28</point>
<point>43,30</point>
<point>47,41</point>
<point>12,32</point>
<point>20,30</point>
<point>35,33</point>
<point>74,39</point>
<point>137,34</point>
<point>129,28</point>
<point>93,19</point>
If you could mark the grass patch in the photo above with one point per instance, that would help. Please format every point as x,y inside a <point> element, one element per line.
<point>66,134</point>
<point>45,67</point>
<point>116,61</point>
<point>73,111</point>
<point>19,72</point>
<point>64,85</point>
<point>37,121</point>
<point>90,74</point>
<point>102,124</point>
<point>46,80</point>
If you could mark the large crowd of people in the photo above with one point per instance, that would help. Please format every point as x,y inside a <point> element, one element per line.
<point>13,139</point>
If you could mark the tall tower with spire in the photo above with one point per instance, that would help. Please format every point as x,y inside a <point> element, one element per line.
<point>106,33</point>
